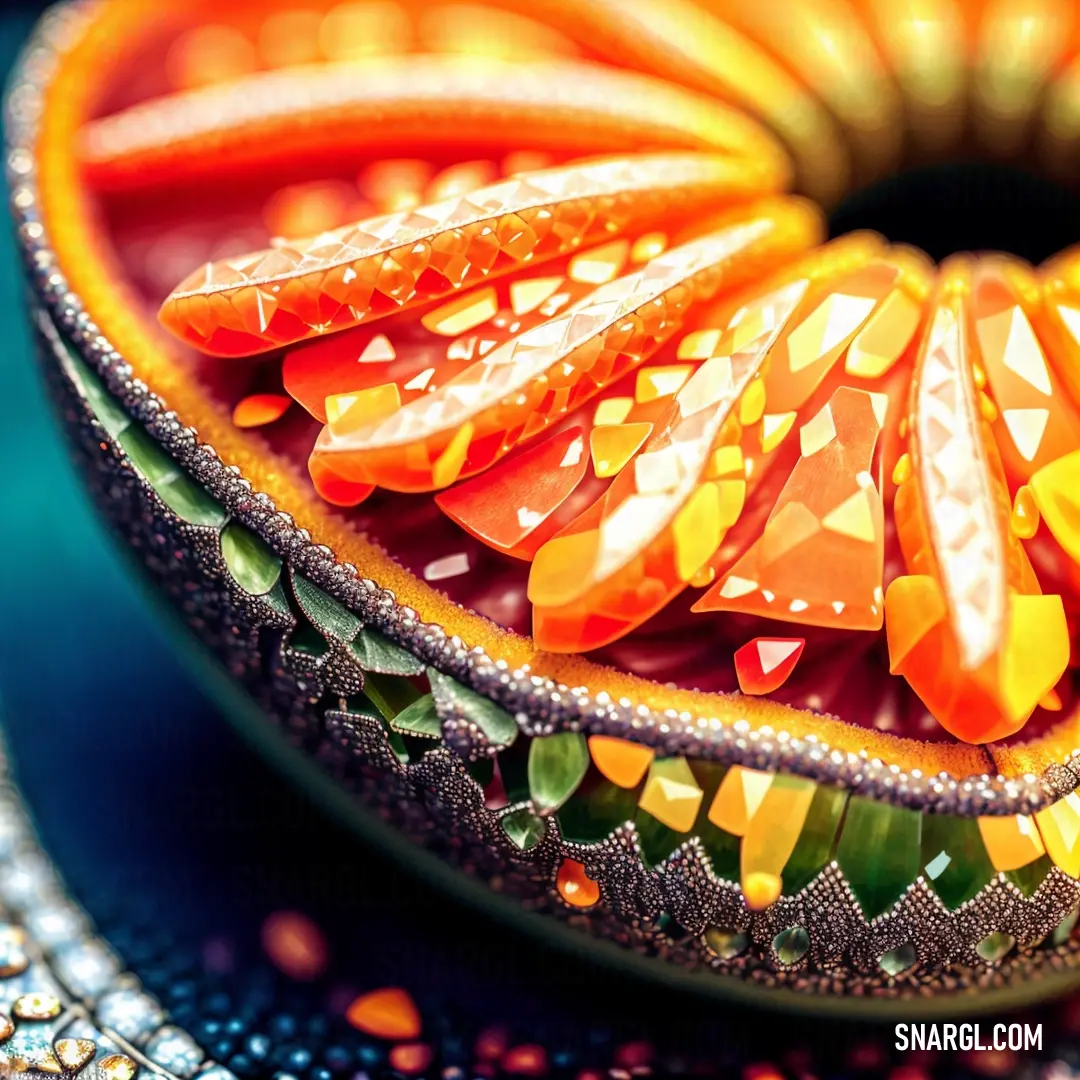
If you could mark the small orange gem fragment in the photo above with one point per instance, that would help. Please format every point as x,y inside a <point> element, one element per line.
<point>257,410</point>
<point>1011,840</point>
<point>738,798</point>
<point>613,445</point>
<point>763,665</point>
<point>575,886</point>
<point>622,762</point>
<point>387,1013</point>
<point>1024,518</point>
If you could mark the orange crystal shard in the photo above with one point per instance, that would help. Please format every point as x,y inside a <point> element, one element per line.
<point>1036,424</point>
<point>820,558</point>
<point>622,762</point>
<point>333,489</point>
<point>257,410</point>
<point>530,381</point>
<point>347,276</point>
<point>387,1013</point>
<point>662,519</point>
<point>968,628</point>
<point>507,506</point>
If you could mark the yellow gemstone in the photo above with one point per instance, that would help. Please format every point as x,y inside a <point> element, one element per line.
<point>774,429</point>
<point>462,314</point>
<point>622,762</point>
<point>738,798</point>
<point>36,1006</point>
<point>556,575</point>
<point>697,530</point>
<point>902,469</point>
<point>726,461</point>
<point>613,445</point>
<point>600,264</point>
<point>356,409</point>
<point>914,605</point>
<point>528,295</point>
<point>773,830</point>
<point>1059,826</point>
<point>671,794</point>
<point>882,341</point>
<point>73,1054</point>
<point>1056,488</point>
<point>117,1067</point>
<point>760,890</point>
<point>752,403</point>
<point>1024,518</point>
<point>1011,841</point>
<point>1035,654</point>
<point>448,465</point>
<point>648,247</point>
<point>699,344</point>
<point>659,382</point>
<point>612,410</point>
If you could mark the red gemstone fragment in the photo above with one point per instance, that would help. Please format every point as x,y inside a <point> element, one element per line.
<point>763,665</point>
<point>257,410</point>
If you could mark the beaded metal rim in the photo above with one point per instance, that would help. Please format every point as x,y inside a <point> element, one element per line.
<point>822,924</point>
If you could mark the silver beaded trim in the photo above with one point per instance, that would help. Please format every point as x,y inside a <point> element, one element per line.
<point>538,703</point>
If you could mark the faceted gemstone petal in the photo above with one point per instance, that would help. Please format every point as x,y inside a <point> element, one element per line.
<point>1059,826</point>
<point>765,664</point>
<point>983,665</point>
<point>528,382</point>
<point>622,762</point>
<point>879,852</point>
<point>507,506</point>
<point>1038,423</point>
<point>642,559</point>
<point>672,794</point>
<point>820,558</point>
<point>385,264</point>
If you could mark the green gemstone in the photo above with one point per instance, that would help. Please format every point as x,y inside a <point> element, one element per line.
<point>814,848</point>
<point>791,945</point>
<point>254,567</point>
<point>390,694</point>
<point>377,653</point>
<point>498,726</point>
<point>593,812</point>
<point>1063,930</point>
<point>1028,878</point>
<point>190,502</point>
<point>420,719</point>
<point>995,946</point>
<point>524,828</point>
<point>898,960</point>
<point>657,840</point>
<point>726,944</point>
<point>557,765</point>
<point>954,858</point>
<point>879,852</point>
<point>324,611</point>
<point>102,404</point>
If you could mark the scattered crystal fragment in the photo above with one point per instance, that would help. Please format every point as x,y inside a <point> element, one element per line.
<point>257,410</point>
<point>73,1054</point>
<point>386,1013</point>
<point>738,798</point>
<point>613,445</point>
<point>524,828</point>
<point>447,567</point>
<point>765,664</point>
<point>726,944</point>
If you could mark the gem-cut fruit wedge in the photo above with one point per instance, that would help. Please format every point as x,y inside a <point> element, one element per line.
<point>345,277</point>
<point>534,379</point>
<point>968,626</point>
